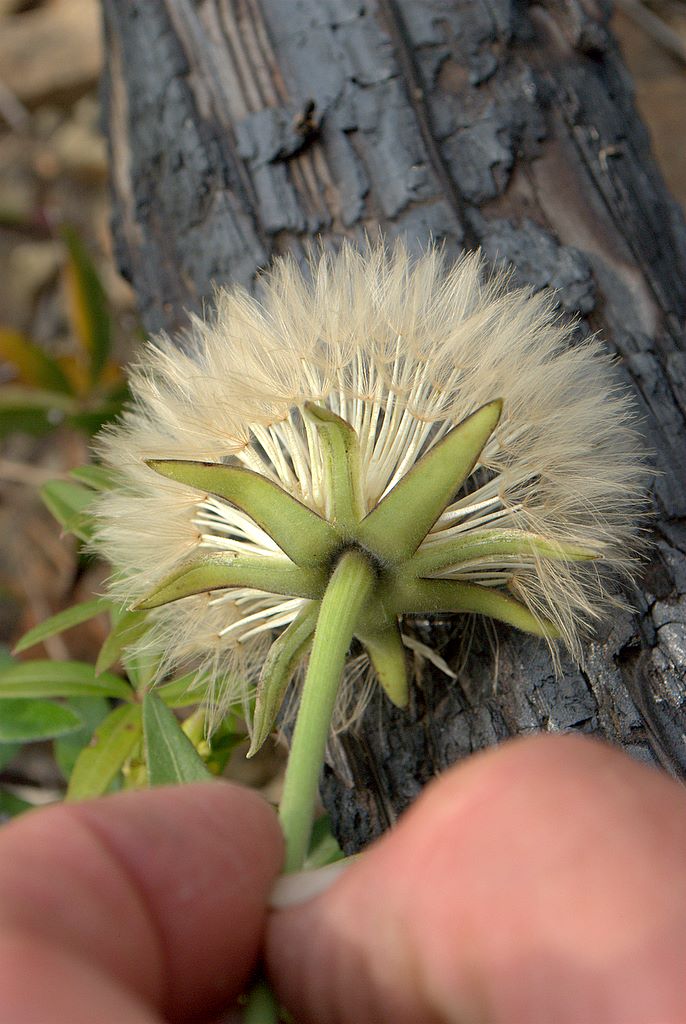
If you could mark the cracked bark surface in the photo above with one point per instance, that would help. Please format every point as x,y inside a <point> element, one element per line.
<point>242,128</point>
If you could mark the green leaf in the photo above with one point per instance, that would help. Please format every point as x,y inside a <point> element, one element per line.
<point>128,627</point>
<point>92,711</point>
<point>8,751</point>
<point>60,679</point>
<point>142,667</point>
<point>34,366</point>
<point>22,398</point>
<point>99,763</point>
<point>273,574</point>
<point>395,528</point>
<point>56,624</point>
<point>341,456</point>
<point>279,665</point>
<point>88,304</point>
<point>29,720</point>
<point>426,597</point>
<point>185,691</point>
<point>171,757</point>
<point>387,654</point>
<point>11,805</point>
<point>90,421</point>
<point>301,534</point>
<point>225,739</point>
<point>26,421</point>
<point>324,848</point>
<point>96,477</point>
<point>67,502</point>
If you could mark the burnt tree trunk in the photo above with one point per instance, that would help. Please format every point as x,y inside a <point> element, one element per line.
<point>242,128</point>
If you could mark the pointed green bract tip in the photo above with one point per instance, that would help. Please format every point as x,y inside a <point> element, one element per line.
<point>386,651</point>
<point>320,414</point>
<point>280,665</point>
<point>300,532</point>
<point>395,528</point>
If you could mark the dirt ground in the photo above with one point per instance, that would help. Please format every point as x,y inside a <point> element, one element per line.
<point>53,170</point>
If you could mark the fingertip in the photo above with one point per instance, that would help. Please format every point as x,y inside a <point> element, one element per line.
<point>205,856</point>
<point>165,890</point>
<point>538,881</point>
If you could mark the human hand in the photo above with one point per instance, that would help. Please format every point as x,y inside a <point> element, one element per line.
<point>544,882</point>
<point>136,908</point>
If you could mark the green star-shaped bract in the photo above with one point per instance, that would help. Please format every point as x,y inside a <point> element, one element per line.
<point>389,537</point>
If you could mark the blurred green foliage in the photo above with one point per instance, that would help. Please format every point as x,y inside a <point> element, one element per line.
<point>83,390</point>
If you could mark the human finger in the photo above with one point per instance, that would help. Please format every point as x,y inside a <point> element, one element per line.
<point>541,882</point>
<point>161,893</point>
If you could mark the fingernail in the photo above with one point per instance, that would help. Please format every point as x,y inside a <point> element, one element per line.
<point>301,886</point>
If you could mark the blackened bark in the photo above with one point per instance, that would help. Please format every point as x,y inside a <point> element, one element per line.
<point>241,128</point>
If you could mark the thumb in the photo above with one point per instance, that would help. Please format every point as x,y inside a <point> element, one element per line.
<point>134,904</point>
<point>544,881</point>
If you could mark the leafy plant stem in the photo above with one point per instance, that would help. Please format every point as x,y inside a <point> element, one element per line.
<point>261,1007</point>
<point>344,598</point>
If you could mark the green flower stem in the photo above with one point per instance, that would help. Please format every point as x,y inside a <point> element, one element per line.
<point>348,589</point>
<point>261,1007</point>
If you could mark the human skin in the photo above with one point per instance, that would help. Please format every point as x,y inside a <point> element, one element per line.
<point>543,882</point>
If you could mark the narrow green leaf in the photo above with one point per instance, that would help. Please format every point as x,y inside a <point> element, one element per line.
<point>20,397</point>
<point>60,679</point>
<point>275,575</point>
<point>58,623</point>
<point>26,421</point>
<point>92,711</point>
<point>387,654</point>
<point>324,848</point>
<point>88,304</point>
<point>11,806</point>
<point>26,721</point>
<point>96,477</point>
<point>171,757</point>
<point>424,597</point>
<point>184,692</point>
<point>91,420</point>
<point>35,367</point>
<point>491,544</point>
<point>98,764</point>
<point>225,740</point>
<point>278,669</point>
<point>395,528</point>
<point>8,751</point>
<point>128,627</point>
<point>192,688</point>
<point>67,502</point>
<point>341,452</point>
<point>300,533</point>
<point>261,1006</point>
<point>142,667</point>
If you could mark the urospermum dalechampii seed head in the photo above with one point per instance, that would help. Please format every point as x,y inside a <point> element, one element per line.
<point>439,422</point>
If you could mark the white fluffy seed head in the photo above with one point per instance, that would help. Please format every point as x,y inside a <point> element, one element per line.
<point>403,349</point>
